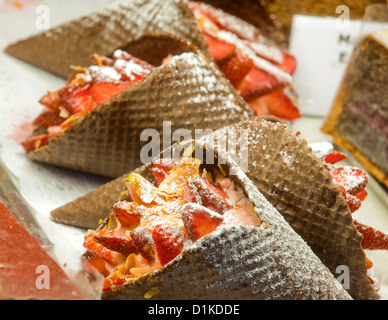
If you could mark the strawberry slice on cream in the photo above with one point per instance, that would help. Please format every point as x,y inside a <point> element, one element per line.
<point>163,221</point>
<point>254,66</point>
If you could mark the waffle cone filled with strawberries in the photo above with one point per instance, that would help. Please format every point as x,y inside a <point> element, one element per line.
<point>259,69</point>
<point>305,184</point>
<point>101,122</point>
<point>201,230</point>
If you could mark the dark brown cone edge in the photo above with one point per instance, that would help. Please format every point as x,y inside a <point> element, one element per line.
<point>285,170</point>
<point>239,262</point>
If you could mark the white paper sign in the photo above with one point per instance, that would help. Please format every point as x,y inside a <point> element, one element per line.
<point>322,47</point>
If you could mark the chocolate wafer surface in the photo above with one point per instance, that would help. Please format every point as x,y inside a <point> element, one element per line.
<point>187,94</point>
<point>285,170</point>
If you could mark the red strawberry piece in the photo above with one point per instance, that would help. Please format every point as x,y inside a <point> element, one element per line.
<point>201,191</point>
<point>219,50</point>
<point>98,249</point>
<point>334,157</point>
<point>144,243</point>
<point>226,21</point>
<point>169,242</point>
<point>127,213</point>
<point>199,221</point>
<point>361,195</point>
<point>237,67</point>
<point>353,203</point>
<point>35,142</point>
<point>289,63</point>
<point>373,239</point>
<point>103,91</point>
<point>257,83</point>
<point>158,174</point>
<point>191,194</point>
<point>50,100</point>
<point>122,245</point>
<point>352,179</point>
<point>275,103</point>
<point>48,118</point>
<point>76,98</point>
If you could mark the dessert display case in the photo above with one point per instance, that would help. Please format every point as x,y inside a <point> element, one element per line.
<point>193,88</point>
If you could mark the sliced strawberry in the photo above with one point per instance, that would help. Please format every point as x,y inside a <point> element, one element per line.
<point>257,83</point>
<point>199,221</point>
<point>201,191</point>
<point>334,157</point>
<point>169,242</point>
<point>122,245</point>
<point>353,180</point>
<point>127,213</point>
<point>275,103</point>
<point>289,63</point>
<point>35,142</point>
<point>104,91</point>
<point>76,98</point>
<point>361,195</point>
<point>99,250</point>
<point>48,118</point>
<point>50,100</point>
<point>144,243</point>
<point>158,174</point>
<point>237,67</point>
<point>219,50</point>
<point>353,203</point>
<point>373,239</point>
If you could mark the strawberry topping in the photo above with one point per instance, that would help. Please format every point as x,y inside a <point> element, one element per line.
<point>169,242</point>
<point>373,239</point>
<point>276,103</point>
<point>253,65</point>
<point>160,223</point>
<point>88,88</point>
<point>199,221</point>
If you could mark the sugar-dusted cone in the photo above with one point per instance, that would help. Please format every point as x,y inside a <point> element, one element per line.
<point>189,92</point>
<point>293,179</point>
<point>105,30</point>
<point>240,262</point>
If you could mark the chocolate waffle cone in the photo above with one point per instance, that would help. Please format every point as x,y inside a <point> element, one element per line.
<point>189,92</point>
<point>295,182</point>
<point>238,262</point>
<point>105,30</point>
<point>284,169</point>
